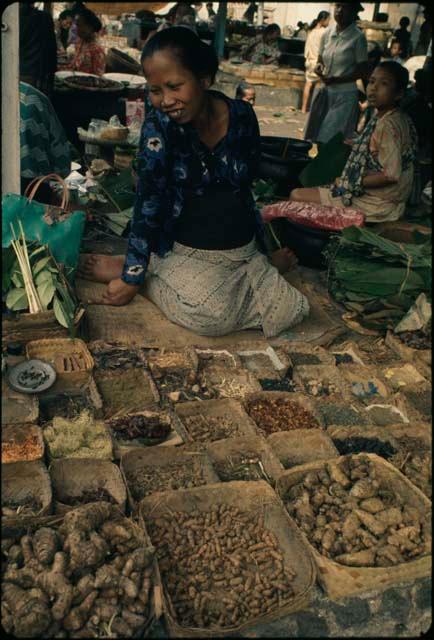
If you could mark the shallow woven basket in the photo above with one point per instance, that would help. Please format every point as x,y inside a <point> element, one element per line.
<point>46,350</point>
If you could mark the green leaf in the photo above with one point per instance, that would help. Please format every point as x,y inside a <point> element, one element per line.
<point>43,276</point>
<point>37,251</point>
<point>17,300</point>
<point>62,316</point>
<point>17,279</point>
<point>46,292</point>
<point>41,264</point>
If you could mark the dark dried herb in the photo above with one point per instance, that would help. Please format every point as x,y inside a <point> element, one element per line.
<point>147,430</point>
<point>364,445</point>
<point>245,467</point>
<point>300,358</point>
<point>282,384</point>
<point>340,415</point>
<point>89,495</point>
<point>28,506</point>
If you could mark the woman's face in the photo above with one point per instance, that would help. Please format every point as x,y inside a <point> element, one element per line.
<point>249,96</point>
<point>66,23</point>
<point>84,30</point>
<point>173,89</point>
<point>272,37</point>
<point>381,90</point>
<point>395,49</point>
<point>325,23</point>
<point>344,14</point>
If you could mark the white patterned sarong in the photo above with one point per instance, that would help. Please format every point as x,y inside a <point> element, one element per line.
<point>216,292</point>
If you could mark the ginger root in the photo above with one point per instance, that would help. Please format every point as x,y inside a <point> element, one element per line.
<point>57,586</point>
<point>45,544</point>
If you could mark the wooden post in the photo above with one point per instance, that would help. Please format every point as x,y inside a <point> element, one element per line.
<point>10,100</point>
<point>219,38</point>
<point>260,17</point>
<point>376,11</point>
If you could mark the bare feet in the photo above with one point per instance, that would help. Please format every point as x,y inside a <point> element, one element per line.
<point>100,268</point>
<point>283,259</point>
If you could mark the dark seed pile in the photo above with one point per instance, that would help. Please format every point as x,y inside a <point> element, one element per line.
<point>68,407</point>
<point>416,339</point>
<point>304,358</point>
<point>343,358</point>
<point>421,401</point>
<point>283,384</point>
<point>364,445</point>
<point>147,480</point>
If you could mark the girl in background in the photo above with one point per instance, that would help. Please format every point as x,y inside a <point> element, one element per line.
<point>311,52</point>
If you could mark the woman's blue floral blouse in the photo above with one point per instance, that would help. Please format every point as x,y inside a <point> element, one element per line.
<point>173,163</point>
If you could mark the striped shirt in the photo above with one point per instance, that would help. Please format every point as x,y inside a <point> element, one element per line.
<point>44,147</point>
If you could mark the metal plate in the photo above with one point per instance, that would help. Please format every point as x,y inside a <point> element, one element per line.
<point>31,376</point>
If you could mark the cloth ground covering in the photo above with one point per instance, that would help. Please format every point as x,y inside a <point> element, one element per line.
<point>377,279</point>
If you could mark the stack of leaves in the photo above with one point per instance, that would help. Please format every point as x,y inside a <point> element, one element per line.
<point>33,281</point>
<point>377,279</point>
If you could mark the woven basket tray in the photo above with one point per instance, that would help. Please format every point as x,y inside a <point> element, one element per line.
<point>22,480</point>
<point>248,497</point>
<point>21,443</point>
<point>340,581</point>
<point>58,353</point>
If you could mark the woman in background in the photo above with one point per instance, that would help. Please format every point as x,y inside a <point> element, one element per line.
<point>89,56</point>
<point>311,52</point>
<point>264,49</point>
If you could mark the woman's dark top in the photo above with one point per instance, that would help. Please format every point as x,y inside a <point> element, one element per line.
<point>216,220</point>
<point>174,168</point>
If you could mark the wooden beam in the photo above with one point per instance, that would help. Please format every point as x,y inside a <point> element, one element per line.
<point>10,100</point>
<point>219,38</point>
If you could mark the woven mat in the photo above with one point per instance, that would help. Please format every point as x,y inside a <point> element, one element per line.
<point>142,323</point>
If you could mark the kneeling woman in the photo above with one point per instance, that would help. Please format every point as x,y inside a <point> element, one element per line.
<point>196,231</point>
<point>378,176</point>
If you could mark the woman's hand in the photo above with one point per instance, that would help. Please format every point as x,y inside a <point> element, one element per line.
<point>117,293</point>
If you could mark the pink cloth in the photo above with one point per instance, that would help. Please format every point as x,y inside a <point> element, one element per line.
<point>314,215</point>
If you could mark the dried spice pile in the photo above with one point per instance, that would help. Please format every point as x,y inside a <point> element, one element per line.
<point>280,415</point>
<point>352,517</point>
<point>341,415</point>
<point>28,506</point>
<point>109,355</point>
<point>204,428</point>
<point>416,339</point>
<point>177,388</point>
<point>244,467</point>
<point>414,459</point>
<point>147,480</point>
<point>65,406</point>
<point>89,578</point>
<point>89,495</point>
<point>146,429</point>
<point>421,400</point>
<point>220,567</point>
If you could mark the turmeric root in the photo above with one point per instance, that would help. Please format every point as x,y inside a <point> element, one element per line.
<point>57,586</point>
<point>363,558</point>
<point>31,615</point>
<point>87,517</point>
<point>82,589</point>
<point>45,544</point>
<point>115,532</point>
<point>78,616</point>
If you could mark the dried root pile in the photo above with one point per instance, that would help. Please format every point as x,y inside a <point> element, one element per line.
<point>414,460</point>
<point>244,467</point>
<point>177,388</point>
<point>87,579</point>
<point>147,480</point>
<point>108,355</point>
<point>221,567</point>
<point>28,506</point>
<point>280,415</point>
<point>353,518</point>
<point>209,428</point>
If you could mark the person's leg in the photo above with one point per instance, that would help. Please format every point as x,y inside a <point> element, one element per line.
<point>100,268</point>
<point>306,95</point>
<point>310,194</point>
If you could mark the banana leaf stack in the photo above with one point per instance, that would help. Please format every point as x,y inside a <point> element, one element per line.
<point>376,279</point>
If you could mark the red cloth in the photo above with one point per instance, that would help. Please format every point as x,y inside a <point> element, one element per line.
<point>89,57</point>
<point>314,215</point>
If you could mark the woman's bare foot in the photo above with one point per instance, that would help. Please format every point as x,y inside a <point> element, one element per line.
<point>100,268</point>
<point>283,259</point>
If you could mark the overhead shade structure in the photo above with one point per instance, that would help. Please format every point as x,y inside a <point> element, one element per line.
<point>116,8</point>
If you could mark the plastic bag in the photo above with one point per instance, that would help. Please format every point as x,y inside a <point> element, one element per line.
<point>313,215</point>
